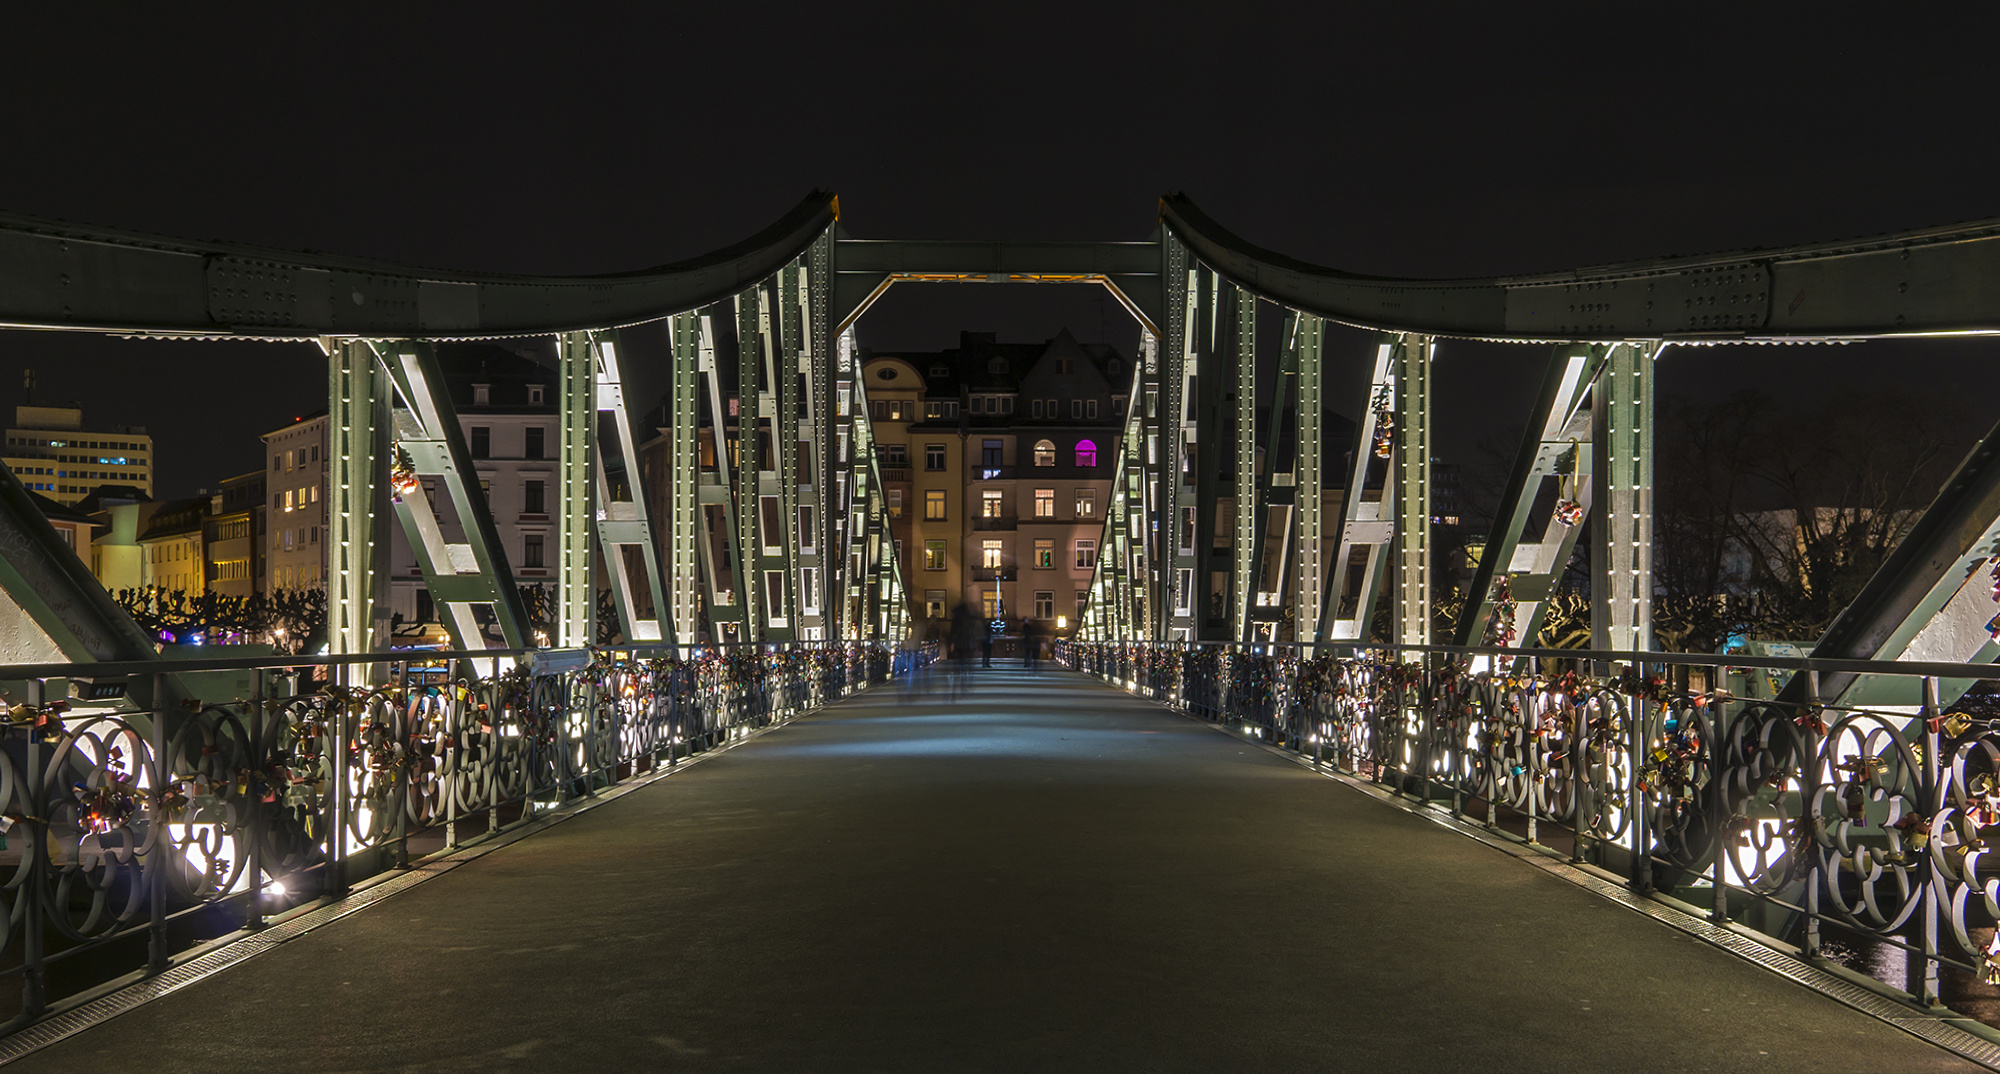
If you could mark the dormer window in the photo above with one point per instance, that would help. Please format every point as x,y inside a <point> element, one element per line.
<point>534,395</point>
<point>940,371</point>
<point>996,365</point>
<point>482,395</point>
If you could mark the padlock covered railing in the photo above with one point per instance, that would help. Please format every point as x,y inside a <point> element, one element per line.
<point>136,834</point>
<point>1842,833</point>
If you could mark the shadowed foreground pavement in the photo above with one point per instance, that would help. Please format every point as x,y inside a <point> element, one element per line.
<point>1047,876</point>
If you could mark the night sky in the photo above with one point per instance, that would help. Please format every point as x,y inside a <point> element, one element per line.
<point>555,140</point>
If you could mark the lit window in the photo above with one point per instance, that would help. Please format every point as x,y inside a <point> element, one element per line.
<point>991,504</point>
<point>1086,503</point>
<point>933,556</point>
<point>1045,503</point>
<point>895,503</point>
<point>1045,453</point>
<point>1086,453</point>
<point>934,505</point>
<point>1086,554</point>
<point>1045,553</point>
<point>989,555</point>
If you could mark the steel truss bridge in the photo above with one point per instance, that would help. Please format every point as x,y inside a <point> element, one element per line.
<point>780,543</point>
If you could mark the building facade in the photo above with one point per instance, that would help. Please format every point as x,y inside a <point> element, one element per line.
<point>295,473</point>
<point>173,552</point>
<point>52,453</point>
<point>997,459</point>
<point>236,537</point>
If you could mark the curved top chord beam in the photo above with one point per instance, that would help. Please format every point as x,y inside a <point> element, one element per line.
<point>1926,282</point>
<point>59,275</point>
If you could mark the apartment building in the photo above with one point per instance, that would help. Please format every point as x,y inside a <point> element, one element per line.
<point>235,536</point>
<point>997,459</point>
<point>295,474</point>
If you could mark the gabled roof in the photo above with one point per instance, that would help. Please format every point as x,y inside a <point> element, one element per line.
<point>57,512</point>
<point>103,497</point>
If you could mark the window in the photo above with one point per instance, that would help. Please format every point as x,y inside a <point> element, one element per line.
<point>990,454</point>
<point>933,505</point>
<point>1086,503</point>
<point>536,436</point>
<point>288,499</point>
<point>1082,602</point>
<point>1045,503</point>
<point>1045,604</point>
<point>1086,553</point>
<point>482,395</point>
<point>531,499</point>
<point>896,455</point>
<point>934,604</point>
<point>895,503</point>
<point>934,410</point>
<point>482,441</point>
<point>933,555</point>
<point>1086,454</point>
<point>1038,408</point>
<point>878,410</point>
<point>1090,408</point>
<point>989,554</point>
<point>933,456</point>
<point>991,504</point>
<point>531,550</point>
<point>315,534</point>
<point>1045,553</point>
<point>1045,453</point>
<point>534,395</point>
<point>989,603</point>
<point>1006,404</point>
<point>1076,408</point>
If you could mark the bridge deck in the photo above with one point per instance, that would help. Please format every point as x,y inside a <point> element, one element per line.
<point>1048,875</point>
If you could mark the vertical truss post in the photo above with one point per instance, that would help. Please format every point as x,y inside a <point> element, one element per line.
<point>624,530</point>
<point>1244,547</point>
<point>1413,491</point>
<point>575,409</point>
<point>814,521</point>
<point>1309,484</point>
<point>1621,606</point>
<point>468,578</point>
<point>358,549</point>
<point>1558,444</point>
<point>683,527</point>
<point>1213,309</point>
<point>1175,427</point>
<point>749,307</point>
<point>1147,440</point>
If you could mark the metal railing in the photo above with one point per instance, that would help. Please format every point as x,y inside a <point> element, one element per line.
<point>1855,836</point>
<point>135,833</point>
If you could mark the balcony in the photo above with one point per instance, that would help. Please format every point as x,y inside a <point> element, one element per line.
<point>983,472</point>
<point>994,524</point>
<point>992,574</point>
<point>896,473</point>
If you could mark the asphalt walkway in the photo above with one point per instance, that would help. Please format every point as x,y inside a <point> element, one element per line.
<point>1045,876</point>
